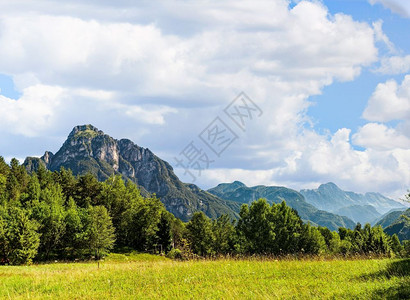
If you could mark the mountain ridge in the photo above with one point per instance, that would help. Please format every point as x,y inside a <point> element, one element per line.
<point>331,198</point>
<point>89,150</point>
<point>239,192</point>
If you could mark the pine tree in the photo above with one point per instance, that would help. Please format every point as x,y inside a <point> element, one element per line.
<point>164,234</point>
<point>19,239</point>
<point>224,236</point>
<point>200,234</point>
<point>100,231</point>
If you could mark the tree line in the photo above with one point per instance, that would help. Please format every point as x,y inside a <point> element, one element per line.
<point>56,215</point>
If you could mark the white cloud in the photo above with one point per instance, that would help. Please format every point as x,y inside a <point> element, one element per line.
<point>382,37</point>
<point>42,107</point>
<point>395,65</point>
<point>317,159</point>
<point>380,137</point>
<point>33,112</point>
<point>401,7</point>
<point>389,101</point>
<point>280,44</point>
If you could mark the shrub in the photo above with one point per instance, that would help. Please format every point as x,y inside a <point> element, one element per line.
<point>175,254</point>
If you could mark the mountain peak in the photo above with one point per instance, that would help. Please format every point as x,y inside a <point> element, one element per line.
<point>329,185</point>
<point>238,183</point>
<point>87,130</point>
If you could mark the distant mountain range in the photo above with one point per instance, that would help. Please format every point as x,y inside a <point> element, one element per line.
<point>240,193</point>
<point>361,208</point>
<point>88,149</point>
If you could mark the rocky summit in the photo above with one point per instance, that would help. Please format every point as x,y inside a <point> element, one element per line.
<point>89,150</point>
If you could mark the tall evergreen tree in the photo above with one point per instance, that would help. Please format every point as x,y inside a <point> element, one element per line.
<point>224,235</point>
<point>100,232</point>
<point>19,239</point>
<point>164,234</point>
<point>200,234</point>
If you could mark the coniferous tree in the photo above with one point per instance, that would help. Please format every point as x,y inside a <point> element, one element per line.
<point>100,232</point>
<point>19,239</point>
<point>164,234</point>
<point>395,244</point>
<point>74,236</point>
<point>199,231</point>
<point>224,235</point>
<point>50,213</point>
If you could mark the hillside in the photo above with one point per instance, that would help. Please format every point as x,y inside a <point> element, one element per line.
<point>388,218</point>
<point>401,226</point>
<point>239,192</point>
<point>89,150</point>
<point>359,213</point>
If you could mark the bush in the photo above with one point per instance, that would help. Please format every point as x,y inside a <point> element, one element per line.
<point>175,254</point>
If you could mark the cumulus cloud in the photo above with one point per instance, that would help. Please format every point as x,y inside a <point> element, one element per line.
<point>280,45</point>
<point>390,101</point>
<point>380,137</point>
<point>42,106</point>
<point>317,159</point>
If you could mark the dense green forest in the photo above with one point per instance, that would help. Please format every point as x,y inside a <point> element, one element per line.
<point>55,215</point>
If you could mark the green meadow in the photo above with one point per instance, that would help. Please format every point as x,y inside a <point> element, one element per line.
<point>144,276</point>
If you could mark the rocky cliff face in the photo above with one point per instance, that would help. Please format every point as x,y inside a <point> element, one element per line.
<point>88,149</point>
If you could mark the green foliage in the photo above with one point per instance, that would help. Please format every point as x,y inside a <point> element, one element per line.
<point>406,249</point>
<point>400,226</point>
<point>395,245</point>
<point>200,234</point>
<point>224,235</point>
<point>175,254</point>
<point>256,227</point>
<point>164,233</point>
<point>275,229</point>
<point>19,239</point>
<point>139,223</point>
<point>100,232</point>
<point>242,194</point>
<point>73,217</point>
<point>365,240</point>
<point>88,134</point>
<point>54,215</point>
<point>313,241</point>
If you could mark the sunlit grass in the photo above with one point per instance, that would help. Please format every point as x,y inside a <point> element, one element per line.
<point>152,277</point>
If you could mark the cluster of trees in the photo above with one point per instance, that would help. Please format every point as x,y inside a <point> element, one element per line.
<point>277,229</point>
<point>55,215</point>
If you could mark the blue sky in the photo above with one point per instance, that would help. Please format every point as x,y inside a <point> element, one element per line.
<point>331,78</point>
<point>342,103</point>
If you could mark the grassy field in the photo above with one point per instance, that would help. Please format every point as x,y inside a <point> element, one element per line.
<point>153,277</point>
